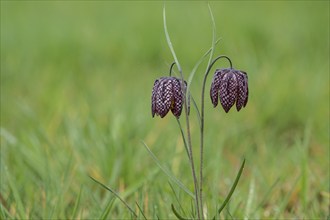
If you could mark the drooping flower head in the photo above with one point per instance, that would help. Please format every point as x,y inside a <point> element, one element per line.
<point>167,94</point>
<point>230,86</point>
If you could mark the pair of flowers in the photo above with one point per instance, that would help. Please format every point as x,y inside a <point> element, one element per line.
<point>228,85</point>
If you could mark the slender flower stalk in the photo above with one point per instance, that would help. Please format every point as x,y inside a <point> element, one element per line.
<point>169,93</point>
<point>196,189</point>
<point>202,126</point>
<point>191,157</point>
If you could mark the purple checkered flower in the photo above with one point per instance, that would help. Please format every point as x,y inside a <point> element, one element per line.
<point>230,86</point>
<point>167,94</point>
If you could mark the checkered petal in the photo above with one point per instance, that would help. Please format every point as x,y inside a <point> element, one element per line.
<point>160,107</point>
<point>166,95</point>
<point>228,90</point>
<point>246,85</point>
<point>177,98</point>
<point>242,90</point>
<point>153,98</point>
<point>214,91</point>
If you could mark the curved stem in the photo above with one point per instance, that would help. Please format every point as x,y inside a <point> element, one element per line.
<point>202,125</point>
<point>172,68</point>
<point>213,62</point>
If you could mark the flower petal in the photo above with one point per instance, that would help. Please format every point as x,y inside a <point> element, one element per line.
<point>167,96</point>
<point>159,98</point>
<point>242,90</point>
<point>228,90</point>
<point>177,98</point>
<point>246,85</point>
<point>214,91</point>
<point>153,97</point>
<point>215,85</point>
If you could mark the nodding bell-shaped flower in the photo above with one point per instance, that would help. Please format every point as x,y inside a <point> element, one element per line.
<point>230,86</point>
<point>167,94</point>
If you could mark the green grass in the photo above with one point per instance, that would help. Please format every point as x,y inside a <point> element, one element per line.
<point>76,80</point>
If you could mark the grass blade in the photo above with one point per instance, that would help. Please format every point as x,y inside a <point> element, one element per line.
<point>249,199</point>
<point>17,197</point>
<point>210,51</point>
<point>168,39</point>
<point>116,194</point>
<point>213,37</point>
<point>287,198</point>
<point>232,188</point>
<point>141,210</point>
<point>177,198</point>
<point>191,75</point>
<point>198,112</point>
<point>183,137</point>
<point>177,214</point>
<point>4,210</point>
<point>167,172</point>
<point>74,213</point>
<point>268,193</point>
<point>193,71</point>
<point>107,210</point>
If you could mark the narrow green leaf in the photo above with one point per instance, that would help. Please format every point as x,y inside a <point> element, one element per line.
<point>5,214</point>
<point>304,153</point>
<point>183,137</point>
<point>213,33</point>
<point>232,188</point>
<point>176,213</point>
<point>213,39</point>
<point>210,51</point>
<point>17,197</point>
<point>141,211</point>
<point>268,193</point>
<point>115,194</point>
<point>74,213</point>
<point>249,199</point>
<point>176,197</point>
<point>140,182</point>
<point>191,75</point>
<point>285,200</point>
<point>198,63</point>
<point>168,39</point>
<point>168,173</point>
<point>107,209</point>
<point>234,210</point>
<point>197,110</point>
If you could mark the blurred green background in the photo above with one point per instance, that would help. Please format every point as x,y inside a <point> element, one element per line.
<point>76,80</point>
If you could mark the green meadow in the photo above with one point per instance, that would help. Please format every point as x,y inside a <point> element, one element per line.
<point>76,81</point>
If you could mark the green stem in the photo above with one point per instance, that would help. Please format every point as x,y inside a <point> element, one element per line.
<point>172,68</point>
<point>202,127</point>
<point>191,158</point>
<point>189,148</point>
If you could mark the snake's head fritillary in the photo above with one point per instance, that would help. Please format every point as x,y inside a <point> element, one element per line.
<point>230,86</point>
<point>167,94</point>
